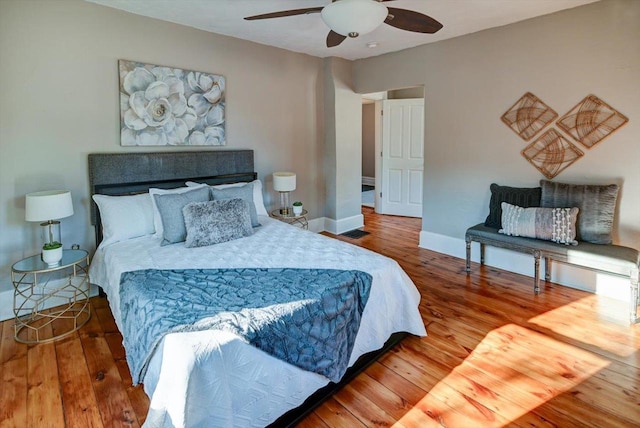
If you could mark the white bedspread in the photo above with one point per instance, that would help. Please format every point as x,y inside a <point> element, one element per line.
<point>212,378</point>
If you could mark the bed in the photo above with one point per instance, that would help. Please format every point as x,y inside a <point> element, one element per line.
<point>214,377</point>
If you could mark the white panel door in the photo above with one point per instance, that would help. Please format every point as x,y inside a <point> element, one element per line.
<point>402,157</point>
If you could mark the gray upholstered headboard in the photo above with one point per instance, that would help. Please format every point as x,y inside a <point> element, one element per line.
<point>130,173</point>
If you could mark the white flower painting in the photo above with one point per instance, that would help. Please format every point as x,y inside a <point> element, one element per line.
<point>162,106</point>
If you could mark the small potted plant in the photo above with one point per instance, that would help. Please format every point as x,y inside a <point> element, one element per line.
<point>52,253</point>
<point>297,208</point>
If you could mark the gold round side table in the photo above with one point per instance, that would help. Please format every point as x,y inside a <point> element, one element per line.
<point>37,287</point>
<point>291,218</point>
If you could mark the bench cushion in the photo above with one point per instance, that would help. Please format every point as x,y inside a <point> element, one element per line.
<point>609,258</point>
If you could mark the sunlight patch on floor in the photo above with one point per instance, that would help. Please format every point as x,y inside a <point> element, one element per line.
<point>576,321</point>
<point>614,287</point>
<point>511,372</point>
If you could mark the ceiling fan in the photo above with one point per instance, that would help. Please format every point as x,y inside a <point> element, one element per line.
<point>351,18</point>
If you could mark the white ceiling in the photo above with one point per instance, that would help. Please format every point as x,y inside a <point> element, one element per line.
<point>307,33</point>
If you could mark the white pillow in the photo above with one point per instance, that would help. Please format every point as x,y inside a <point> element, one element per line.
<point>257,193</point>
<point>124,217</point>
<point>157,220</point>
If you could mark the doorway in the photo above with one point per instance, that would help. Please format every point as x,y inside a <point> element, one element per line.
<point>369,151</point>
<point>392,150</point>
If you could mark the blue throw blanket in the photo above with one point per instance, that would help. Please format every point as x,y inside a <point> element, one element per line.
<point>306,317</point>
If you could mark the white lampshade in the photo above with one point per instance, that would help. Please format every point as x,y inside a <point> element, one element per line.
<point>284,181</point>
<point>48,205</point>
<point>354,17</point>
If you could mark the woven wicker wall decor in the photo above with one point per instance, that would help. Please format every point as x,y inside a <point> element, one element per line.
<point>528,116</point>
<point>551,153</point>
<point>591,120</point>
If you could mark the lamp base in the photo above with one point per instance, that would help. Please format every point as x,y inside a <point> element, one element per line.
<point>285,208</point>
<point>50,231</point>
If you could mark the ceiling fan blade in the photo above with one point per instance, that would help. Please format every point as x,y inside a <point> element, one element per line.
<point>412,21</point>
<point>334,39</point>
<point>284,13</point>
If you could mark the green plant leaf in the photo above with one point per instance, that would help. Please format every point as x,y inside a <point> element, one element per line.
<point>51,245</point>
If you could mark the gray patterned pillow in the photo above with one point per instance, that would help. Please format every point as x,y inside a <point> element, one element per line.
<point>170,209</point>
<point>551,224</point>
<point>243,192</point>
<point>213,222</point>
<point>597,204</point>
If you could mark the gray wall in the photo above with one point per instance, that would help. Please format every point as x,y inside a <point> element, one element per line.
<point>470,81</point>
<point>368,140</point>
<point>59,102</point>
<point>343,142</point>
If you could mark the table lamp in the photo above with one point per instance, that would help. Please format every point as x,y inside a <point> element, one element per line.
<point>284,182</point>
<point>47,207</point>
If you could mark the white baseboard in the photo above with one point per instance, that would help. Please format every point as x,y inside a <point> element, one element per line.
<point>369,181</point>
<point>322,224</point>
<point>317,224</point>
<point>561,273</point>
<point>343,225</point>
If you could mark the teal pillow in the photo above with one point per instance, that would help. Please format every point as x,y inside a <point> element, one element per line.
<point>170,209</point>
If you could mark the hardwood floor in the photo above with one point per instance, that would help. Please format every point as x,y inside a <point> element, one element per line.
<point>495,355</point>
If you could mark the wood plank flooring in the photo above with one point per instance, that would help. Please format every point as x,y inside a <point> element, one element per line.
<point>496,355</point>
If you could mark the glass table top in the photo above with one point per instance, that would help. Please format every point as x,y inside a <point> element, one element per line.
<point>35,263</point>
<point>276,213</point>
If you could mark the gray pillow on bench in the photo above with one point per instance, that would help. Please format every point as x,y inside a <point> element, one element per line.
<point>524,197</point>
<point>597,204</point>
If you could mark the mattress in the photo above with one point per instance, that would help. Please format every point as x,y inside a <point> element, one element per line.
<point>212,378</point>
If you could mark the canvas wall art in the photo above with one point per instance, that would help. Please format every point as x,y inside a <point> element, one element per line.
<point>162,106</point>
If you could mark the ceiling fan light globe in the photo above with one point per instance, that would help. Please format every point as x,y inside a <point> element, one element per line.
<point>354,16</point>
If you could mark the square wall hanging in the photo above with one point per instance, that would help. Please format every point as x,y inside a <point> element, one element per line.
<point>551,153</point>
<point>528,116</point>
<point>162,106</point>
<point>591,121</point>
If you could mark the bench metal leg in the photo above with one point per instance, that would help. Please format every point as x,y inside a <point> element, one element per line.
<point>547,269</point>
<point>468,254</point>
<point>635,298</point>
<point>536,277</point>
<point>481,253</point>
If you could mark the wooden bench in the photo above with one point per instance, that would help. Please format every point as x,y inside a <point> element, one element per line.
<point>611,259</point>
